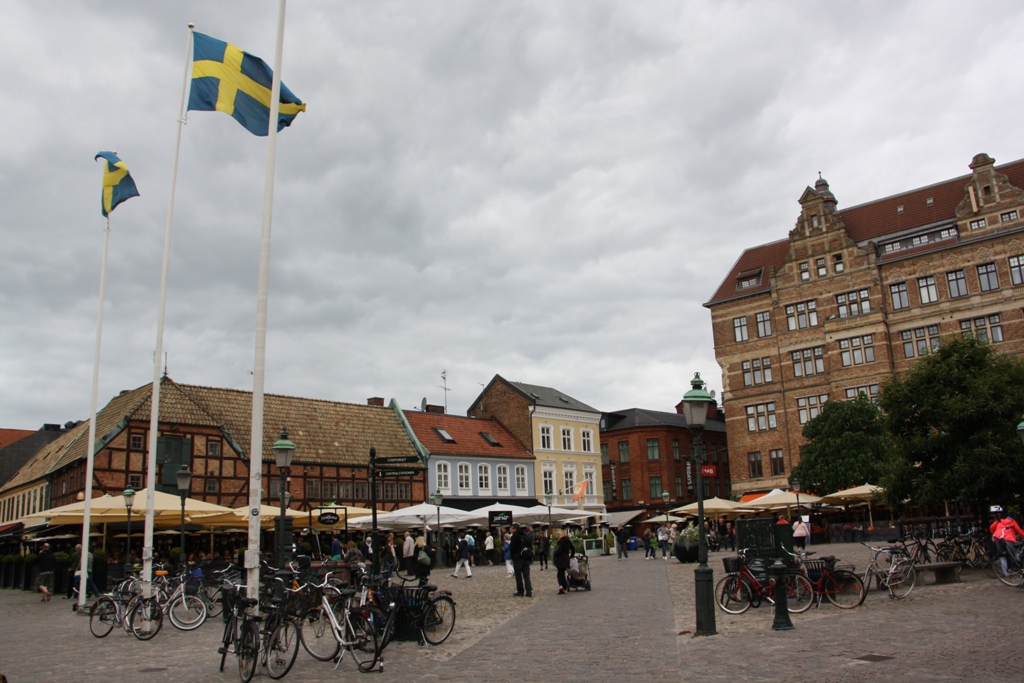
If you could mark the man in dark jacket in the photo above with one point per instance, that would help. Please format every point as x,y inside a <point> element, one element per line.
<point>47,563</point>
<point>522,555</point>
<point>622,543</point>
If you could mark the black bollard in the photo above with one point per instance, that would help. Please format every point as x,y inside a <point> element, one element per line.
<point>782,621</point>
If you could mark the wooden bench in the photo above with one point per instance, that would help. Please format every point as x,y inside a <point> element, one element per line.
<point>945,572</point>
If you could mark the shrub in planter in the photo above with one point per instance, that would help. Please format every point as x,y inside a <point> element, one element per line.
<point>30,558</point>
<point>175,554</point>
<point>62,557</point>
<point>99,555</point>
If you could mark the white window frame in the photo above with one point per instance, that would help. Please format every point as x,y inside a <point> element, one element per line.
<point>464,469</point>
<point>548,478</point>
<point>546,437</point>
<point>590,476</point>
<point>566,434</point>
<point>522,487</point>
<point>483,478</point>
<point>587,440</point>
<point>568,477</point>
<point>442,476</point>
<point>502,474</point>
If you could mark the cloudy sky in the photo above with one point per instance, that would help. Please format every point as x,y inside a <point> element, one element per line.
<point>543,190</point>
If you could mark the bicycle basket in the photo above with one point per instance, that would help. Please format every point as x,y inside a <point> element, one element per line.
<point>814,567</point>
<point>192,585</point>
<point>405,596</point>
<point>732,564</point>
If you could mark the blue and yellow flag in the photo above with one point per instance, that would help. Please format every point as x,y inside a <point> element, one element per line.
<point>227,79</point>
<point>117,182</point>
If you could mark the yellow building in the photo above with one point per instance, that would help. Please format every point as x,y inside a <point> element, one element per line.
<point>562,433</point>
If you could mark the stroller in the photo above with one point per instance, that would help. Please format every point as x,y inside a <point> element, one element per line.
<point>578,575</point>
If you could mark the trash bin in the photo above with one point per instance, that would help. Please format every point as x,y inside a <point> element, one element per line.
<point>631,545</point>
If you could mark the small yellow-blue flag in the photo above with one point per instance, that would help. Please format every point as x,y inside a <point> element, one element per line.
<point>117,182</point>
<point>227,79</point>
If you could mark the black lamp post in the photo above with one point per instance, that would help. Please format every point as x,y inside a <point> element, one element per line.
<point>548,498</point>
<point>284,449</point>
<point>184,477</point>
<point>695,409</point>
<point>129,499</point>
<point>436,499</point>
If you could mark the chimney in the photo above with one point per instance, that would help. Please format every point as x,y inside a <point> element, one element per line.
<point>435,409</point>
<point>375,401</point>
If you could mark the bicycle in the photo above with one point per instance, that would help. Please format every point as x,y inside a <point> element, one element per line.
<point>899,578</point>
<point>1009,565</point>
<point>125,606</point>
<point>841,587</point>
<point>210,590</point>
<point>347,624</point>
<point>179,600</point>
<point>967,550</point>
<point>741,588</point>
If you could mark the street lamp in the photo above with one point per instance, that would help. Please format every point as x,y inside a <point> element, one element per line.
<point>129,498</point>
<point>284,449</point>
<point>664,499</point>
<point>436,499</point>
<point>695,409</point>
<point>548,498</point>
<point>184,477</point>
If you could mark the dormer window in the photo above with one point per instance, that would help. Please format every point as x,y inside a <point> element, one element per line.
<point>814,220</point>
<point>490,439</point>
<point>445,436</point>
<point>748,278</point>
<point>1008,216</point>
<point>978,224</point>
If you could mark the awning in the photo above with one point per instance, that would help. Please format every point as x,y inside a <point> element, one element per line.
<point>10,529</point>
<point>620,518</point>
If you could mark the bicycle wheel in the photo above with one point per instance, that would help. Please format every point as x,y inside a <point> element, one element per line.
<point>799,593</point>
<point>317,637</point>
<point>146,618</point>
<point>438,619</point>
<point>902,578</point>
<point>1009,573</point>
<point>187,612</point>
<point>944,553</point>
<point>227,640</point>
<point>361,641</point>
<point>103,617</point>
<point>733,594</point>
<point>211,595</point>
<point>248,650</point>
<point>282,648</point>
<point>843,589</point>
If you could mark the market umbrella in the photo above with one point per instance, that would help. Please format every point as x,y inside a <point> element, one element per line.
<point>481,517</point>
<point>781,499</point>
<point>415,516</point>
<point>712,507</point>
<point>864,493</point>
<point>538,514</point>
<point>108,509</point>
<point>239,517</point>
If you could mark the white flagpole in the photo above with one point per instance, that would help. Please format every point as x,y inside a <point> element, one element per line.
<point>90,447</point>
<point>154,417</point>
<point>252,560</point>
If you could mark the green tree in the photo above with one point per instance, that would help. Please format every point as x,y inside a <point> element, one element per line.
<point>952,419</point>
<point>847,446</point>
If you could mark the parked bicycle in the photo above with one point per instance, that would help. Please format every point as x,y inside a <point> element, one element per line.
<point>1009,566</point>
<point>841,587</point>
<point>179,599</point>
<point>896,572</point>
<point>968,550</point>
<point>745,585</point>
<point>125,607</point>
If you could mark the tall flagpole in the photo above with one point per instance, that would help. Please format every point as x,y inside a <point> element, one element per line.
<point>252,560</point>
<point>90,448</point>
<point>154,417</point>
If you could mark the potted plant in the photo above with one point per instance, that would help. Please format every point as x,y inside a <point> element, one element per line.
<point>28,571</point>
<point>687,543</point>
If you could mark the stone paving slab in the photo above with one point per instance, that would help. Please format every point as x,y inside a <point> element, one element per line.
<point>628,626</point>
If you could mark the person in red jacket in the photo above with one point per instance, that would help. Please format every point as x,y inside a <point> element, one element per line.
<point>1006,533</point>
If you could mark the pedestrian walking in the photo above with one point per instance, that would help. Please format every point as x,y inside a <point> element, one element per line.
<point>409,554</point>
<point>506,553</point>
<point>421,570</point>
<point>489,548</point>
<point>622,543</point>
<point>337,550</point>
<point>543,548</point>
<point>522,556</point>
<point>463,557</point>
<point>564,551</point>
<point>800,532</point>
<point>47,563</point>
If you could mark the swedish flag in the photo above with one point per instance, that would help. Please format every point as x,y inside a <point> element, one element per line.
<point>227,79</point>
<point>117,182</point>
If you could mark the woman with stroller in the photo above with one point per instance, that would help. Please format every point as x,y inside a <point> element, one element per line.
<point>564,551</point>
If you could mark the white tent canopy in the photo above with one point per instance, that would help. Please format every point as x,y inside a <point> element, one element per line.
<point>415,516</point>
<point>782,499</point>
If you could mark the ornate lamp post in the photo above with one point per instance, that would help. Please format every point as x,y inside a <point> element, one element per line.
<point>284,449</point>
<point>184,477</point>
<point>548,499</point>
<point>129,498</point>
<point>695,409</point>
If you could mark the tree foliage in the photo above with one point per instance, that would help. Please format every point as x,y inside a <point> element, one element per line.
<point>847,446</point>
<point>952,419</point>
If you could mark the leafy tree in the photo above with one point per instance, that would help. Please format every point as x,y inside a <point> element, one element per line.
<point>847,446</point>
<point>952,419</point>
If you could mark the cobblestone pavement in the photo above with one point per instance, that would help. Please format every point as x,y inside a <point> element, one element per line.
<point>636,622</point>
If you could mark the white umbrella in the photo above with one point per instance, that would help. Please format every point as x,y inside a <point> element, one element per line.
<point>415,516</point>
<point>712,506</point>
<point>866,492</point>
<point>538,514</point>
<point>781,499</point>
<point>481,517</point>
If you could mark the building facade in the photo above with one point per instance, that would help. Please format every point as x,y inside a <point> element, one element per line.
<point>853,296</point>
<point>561,432</point>
<point>645,453</point>
<point>473,462</point>
<point>208,430</point>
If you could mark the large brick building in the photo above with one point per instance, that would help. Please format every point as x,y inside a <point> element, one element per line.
<point>853,296</point>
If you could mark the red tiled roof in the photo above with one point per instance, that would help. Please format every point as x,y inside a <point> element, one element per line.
<point>9,436</point>
<point>466,432</point>
<point>864,222</point>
